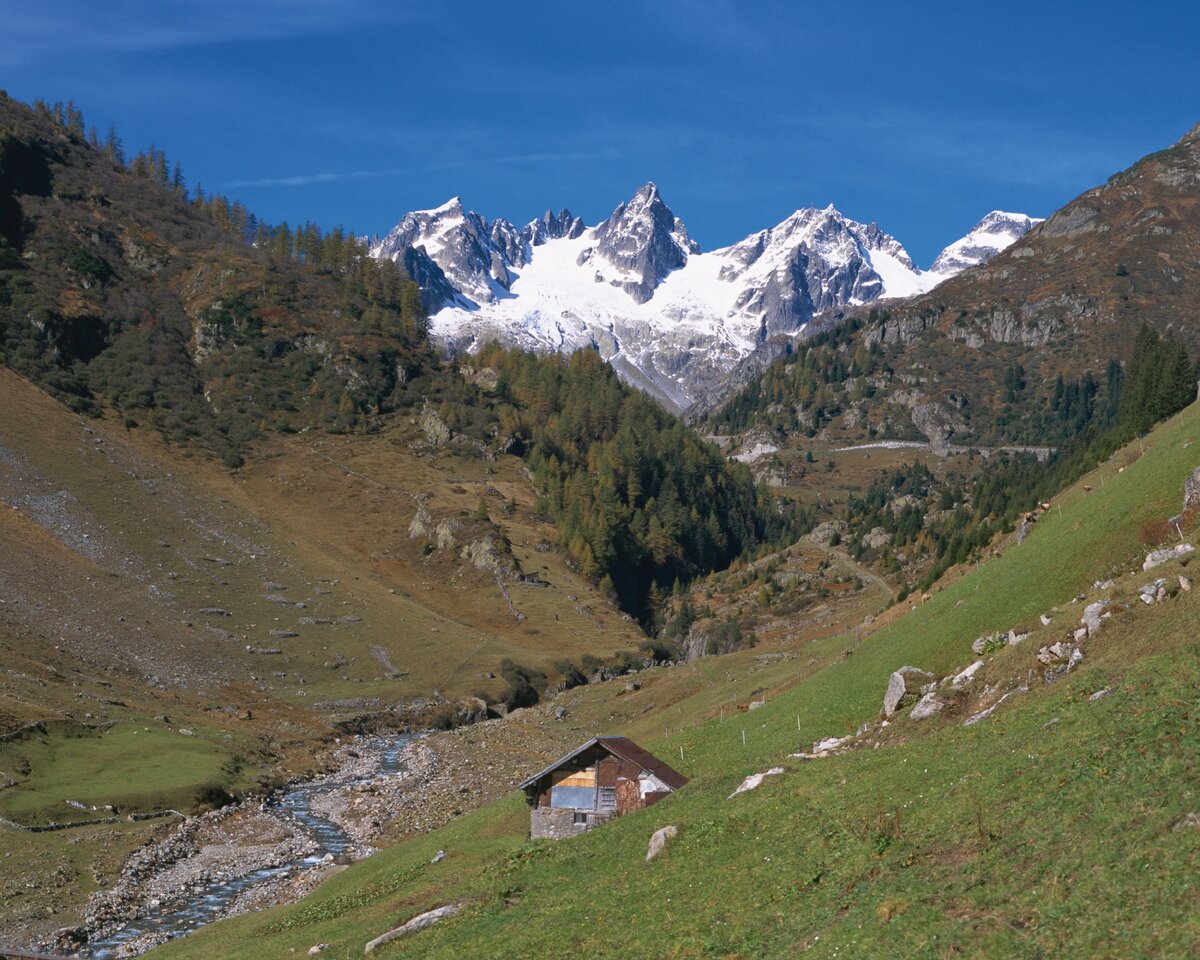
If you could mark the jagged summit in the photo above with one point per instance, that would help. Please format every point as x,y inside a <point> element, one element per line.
<point>640,244</point>
<point>995,232</point>
<point>636,286</point>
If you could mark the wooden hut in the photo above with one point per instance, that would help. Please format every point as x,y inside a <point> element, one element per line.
<point>604,778</point>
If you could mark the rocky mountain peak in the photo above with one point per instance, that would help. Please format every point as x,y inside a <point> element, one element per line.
<point>995,232</point>
<point>472,255</point>
<point>640,244</point>
<point>551,226</point>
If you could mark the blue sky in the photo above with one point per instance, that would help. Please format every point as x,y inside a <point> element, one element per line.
<point>920,116</point>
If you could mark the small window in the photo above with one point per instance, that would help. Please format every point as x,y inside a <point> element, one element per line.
<point>608,798</point>
<point>580,817</point>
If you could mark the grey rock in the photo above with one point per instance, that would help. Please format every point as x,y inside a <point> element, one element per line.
<point>1093,616</point>
<point>436,431</point>
<point>658,840</point>
<point>1060,653</point>
<point>966,675</point>
<point>417,923</point>
<point>552,227</point>
<point>822,748</point>
<point>1191,491</point>
<point>1156,558</point>
<point>904,684</point>
<point>754,781</point>
<point>928,706</point>
<point>643,238</point>
<point>823,533</point>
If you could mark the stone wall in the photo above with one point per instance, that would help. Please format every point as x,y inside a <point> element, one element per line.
<point>557,823</point>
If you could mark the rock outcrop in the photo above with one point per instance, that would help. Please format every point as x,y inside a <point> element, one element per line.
<point>904,686</point>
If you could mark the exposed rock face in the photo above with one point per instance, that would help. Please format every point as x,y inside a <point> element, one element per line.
<point>1191,491</point>
<point>421,525</point>
<point>903,686</point>
<point>483,555</point>
<point>436,431</point>
<point>644,241</point>
<point>824,533</point>
<point>425,272</point>
<point>552,227</point>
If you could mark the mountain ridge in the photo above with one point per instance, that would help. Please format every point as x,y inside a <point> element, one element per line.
<point>672,318</point>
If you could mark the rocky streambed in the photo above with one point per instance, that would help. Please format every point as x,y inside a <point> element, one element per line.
<point>263,852</point>
<point>248,855</point>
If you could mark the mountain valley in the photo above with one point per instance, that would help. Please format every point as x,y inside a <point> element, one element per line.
<point>307,536</point>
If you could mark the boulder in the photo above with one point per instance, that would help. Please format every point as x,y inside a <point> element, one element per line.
<point>470,710</point>
<point>427,919</point>
<point>928,706</point>
<point>904,685</point>
<point>1093,613</point>
<point>988,643</point>
<point>658,841</point>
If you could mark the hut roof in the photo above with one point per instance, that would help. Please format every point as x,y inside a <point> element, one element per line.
<point>621,747</point>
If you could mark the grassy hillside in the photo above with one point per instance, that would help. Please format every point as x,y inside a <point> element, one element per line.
<point>1061,825</point>
<point>246,508</point>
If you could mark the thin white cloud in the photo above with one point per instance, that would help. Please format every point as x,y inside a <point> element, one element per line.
<point>304,180</point>
<point>308,179</point>
<point>128,26</point>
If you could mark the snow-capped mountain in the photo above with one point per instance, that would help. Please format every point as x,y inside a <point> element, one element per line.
<point>990,235</point>
<point>671,319</point>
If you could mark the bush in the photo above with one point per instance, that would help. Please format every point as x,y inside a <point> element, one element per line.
<point>525,685</point>
<point>213,795</point>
